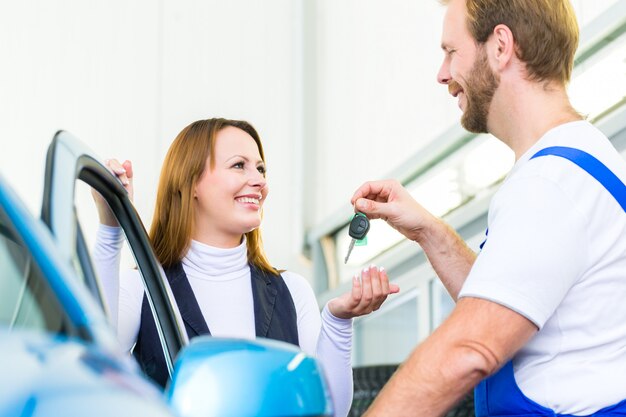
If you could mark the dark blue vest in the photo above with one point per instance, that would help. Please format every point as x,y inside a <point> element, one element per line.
<point>274,317</point>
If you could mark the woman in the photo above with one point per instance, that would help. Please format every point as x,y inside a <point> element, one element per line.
<point>205,233</point>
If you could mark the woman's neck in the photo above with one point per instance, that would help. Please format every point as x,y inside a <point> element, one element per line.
<point>210,262</point>
<point>218,240</point>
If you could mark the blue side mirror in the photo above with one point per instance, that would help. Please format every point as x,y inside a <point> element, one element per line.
<point>216,377</point>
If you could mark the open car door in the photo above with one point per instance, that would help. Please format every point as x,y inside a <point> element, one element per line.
<point>71,166</point>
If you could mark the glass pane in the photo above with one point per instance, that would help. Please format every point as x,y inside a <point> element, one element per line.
<point>441,304</point>
<point>118,279</point>
<point>388,336</point>
<point>26,300</point>
<point>88,220</point>
<point>87,217</point>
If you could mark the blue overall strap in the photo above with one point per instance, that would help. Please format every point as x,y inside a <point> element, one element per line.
<point>594,167</point>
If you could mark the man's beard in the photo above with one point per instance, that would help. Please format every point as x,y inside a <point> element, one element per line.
<point>481,85</point>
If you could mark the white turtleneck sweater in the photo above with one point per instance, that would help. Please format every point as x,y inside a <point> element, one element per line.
<point>217,277</point>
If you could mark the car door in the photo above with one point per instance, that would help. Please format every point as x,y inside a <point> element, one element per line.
<point>70,168</point>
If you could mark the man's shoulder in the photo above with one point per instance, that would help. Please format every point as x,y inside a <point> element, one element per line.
<point>580,135</point>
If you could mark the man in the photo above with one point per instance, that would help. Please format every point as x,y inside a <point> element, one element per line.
<point>540,316</point>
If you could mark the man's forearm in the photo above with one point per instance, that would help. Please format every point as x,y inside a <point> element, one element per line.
<point>429,383</point>
<point>449,255</point>
<point>477,339</point>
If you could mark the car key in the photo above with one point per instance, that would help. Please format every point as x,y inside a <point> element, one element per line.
<point>359,226</point>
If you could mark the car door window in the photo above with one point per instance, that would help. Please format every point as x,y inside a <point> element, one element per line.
<point>88,222</point>
<point>26,300</point>
<point>69,167</point>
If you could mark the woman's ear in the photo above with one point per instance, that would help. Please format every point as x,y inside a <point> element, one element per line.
<point>503,46</point>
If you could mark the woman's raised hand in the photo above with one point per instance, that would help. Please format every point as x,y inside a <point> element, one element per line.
<point>123,171</point>
<point>369,292</point>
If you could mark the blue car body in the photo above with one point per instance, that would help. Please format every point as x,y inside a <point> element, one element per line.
<point>46,373</point>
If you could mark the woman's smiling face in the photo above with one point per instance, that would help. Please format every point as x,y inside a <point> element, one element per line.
<point>229,196</point>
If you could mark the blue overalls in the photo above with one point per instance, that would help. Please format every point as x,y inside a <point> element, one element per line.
<point>499,394</point>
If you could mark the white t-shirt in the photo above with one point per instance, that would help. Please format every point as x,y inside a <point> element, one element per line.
<point>218,277</point>
<point>556,253</point>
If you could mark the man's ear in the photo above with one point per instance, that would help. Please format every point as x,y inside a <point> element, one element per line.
<point>503,46</point>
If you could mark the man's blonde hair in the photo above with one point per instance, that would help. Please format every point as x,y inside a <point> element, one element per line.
<point>545,33</point>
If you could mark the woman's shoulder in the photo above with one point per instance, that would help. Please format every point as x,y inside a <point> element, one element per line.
<point>302,293</point>
<point>296,282</point>
<point>293,276</point>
